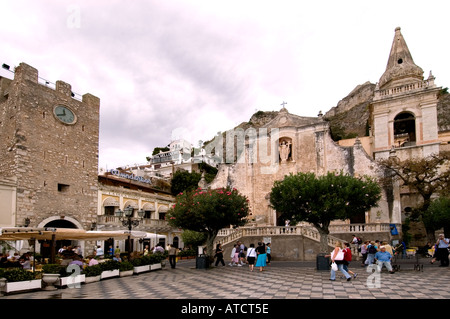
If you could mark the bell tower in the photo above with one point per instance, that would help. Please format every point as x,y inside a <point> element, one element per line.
<point>404,107</point>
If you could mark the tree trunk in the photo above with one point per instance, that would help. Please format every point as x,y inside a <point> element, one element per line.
<point>323,239</point>
<point>211,236</point>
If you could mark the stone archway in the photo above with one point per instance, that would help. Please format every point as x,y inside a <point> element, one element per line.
<point>45,246</point>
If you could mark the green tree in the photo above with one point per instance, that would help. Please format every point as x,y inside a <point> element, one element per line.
<point>437,215</point>
<point>321,199</point>
<point>184,181</point>
<point>427,176</point>
<point>208,211</point>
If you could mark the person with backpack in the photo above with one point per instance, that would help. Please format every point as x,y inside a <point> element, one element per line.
<point>348,258</point>
<point>371,251</point>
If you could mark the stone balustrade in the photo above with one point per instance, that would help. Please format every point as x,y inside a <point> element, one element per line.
<point>404,88</point>
<point>146,223</point>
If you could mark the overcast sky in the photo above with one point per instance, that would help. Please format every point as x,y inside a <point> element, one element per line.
<point>172,68</point>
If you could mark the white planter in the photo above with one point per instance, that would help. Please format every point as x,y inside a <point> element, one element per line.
<point>88,280</point>
<point>72,281</point>
<point>126,273</point>
<point>155,266</point>
<point>110,273</point>
<point>139,269</point>
<point>22,285</point>
<point>50,280</point>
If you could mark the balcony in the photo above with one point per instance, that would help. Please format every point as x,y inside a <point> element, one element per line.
<point>147,224</point>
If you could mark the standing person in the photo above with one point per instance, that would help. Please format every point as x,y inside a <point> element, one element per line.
<point>219,255</point>
<point>262,257</point>
<point>100,253</point>
<point>234,257</point>
<point>111,251</point>
<point>242,251</point>
<point>251,256</point>
<point>172,256</point>
<point>388,247</point>
<point>117,250</point>
<point>337,256</point>
<point>268,252</point>
<point>371,251</point>
<point>442,250</point>
<point>348,258</point>
<point>364,253</point>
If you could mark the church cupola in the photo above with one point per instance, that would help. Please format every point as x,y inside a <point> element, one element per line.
<point>400,68</point>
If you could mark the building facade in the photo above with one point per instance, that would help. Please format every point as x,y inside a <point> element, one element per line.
<point>403,118</point>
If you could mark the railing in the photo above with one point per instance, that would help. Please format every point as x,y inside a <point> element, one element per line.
<point>229,235</point>
<point>146,222</point>
<point>404,88</point>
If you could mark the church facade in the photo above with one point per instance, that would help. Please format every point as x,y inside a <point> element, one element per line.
<point>403,118</point>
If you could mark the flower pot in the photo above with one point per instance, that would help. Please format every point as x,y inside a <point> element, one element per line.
<point>109,274</point>
<point>22,285</point>
<point>71,281</point>
<point>88,280</point>
<point>155,266</point>
<point>126,273</point>
<point>139,269</point>
<point>49,281</point>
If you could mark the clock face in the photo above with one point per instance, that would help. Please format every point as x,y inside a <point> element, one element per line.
<point>64,114</point>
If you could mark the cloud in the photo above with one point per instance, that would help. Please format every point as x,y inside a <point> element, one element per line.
<point>200,67</point>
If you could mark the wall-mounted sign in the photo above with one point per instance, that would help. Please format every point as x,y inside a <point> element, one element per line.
<point>130,176</point>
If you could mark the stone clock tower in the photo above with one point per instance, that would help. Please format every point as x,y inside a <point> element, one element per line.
<point>49,149</point>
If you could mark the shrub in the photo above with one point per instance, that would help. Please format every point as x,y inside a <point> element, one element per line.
<point>109,265</point>
<point>54,269</point>
<point>18,274</point>
<point>92,271</point>
<point>125,265</point>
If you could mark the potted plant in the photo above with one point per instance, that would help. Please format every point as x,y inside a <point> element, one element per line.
<point>18,279</point>
<point>51,274</point>
<point>92,273</point>
<point>125,269</point>
<point>155,260</point>
<point>72,277</point>
<point>140,265</point>
<point>110,268</point>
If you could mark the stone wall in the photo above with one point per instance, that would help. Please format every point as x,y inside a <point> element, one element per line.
<point>55,164</point>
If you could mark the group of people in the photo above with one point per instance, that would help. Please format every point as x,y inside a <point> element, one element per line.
<point>16,260</point>
<point>259,256</point>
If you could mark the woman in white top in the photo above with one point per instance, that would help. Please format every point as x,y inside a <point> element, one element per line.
<point>337,256</point>
<point>251,256</point>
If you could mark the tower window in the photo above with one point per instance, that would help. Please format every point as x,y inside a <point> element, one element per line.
<point>62,188</point>
<point>404,130</point>
<point>400,61</point>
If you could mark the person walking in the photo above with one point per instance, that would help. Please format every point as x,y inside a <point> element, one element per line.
<point>348,258</point>
<point>219,255</point>
<point>172,256</point>
<point>269,252</point>
<point>262,256</point>
<point>234,256</point>
<point>371,251</point>
<point>337,256</point>
<point>251,256</point>
<point>363,248</point>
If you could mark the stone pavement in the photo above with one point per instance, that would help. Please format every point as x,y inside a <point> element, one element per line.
<point>280,280</point>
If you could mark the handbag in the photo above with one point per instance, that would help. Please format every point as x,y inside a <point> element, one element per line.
<point>339,255</point>
<point>334,266</point>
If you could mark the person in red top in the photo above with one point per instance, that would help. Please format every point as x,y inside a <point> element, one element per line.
<point>348,258</point>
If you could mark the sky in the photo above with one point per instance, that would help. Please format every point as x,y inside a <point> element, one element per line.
<point>173,69</point>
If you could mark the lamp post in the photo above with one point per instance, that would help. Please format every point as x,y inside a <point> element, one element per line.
<point>126,217</point>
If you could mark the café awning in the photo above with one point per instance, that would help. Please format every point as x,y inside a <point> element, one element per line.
<point>26,233</point>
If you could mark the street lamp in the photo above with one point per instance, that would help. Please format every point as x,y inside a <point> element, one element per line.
<point>126,217</point>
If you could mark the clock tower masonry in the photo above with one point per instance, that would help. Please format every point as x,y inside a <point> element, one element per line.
<point>49,152</point>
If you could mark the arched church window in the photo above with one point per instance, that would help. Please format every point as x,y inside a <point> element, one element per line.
<point>404,129</point>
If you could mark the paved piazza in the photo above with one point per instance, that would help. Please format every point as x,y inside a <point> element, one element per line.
<point>281,280</point>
